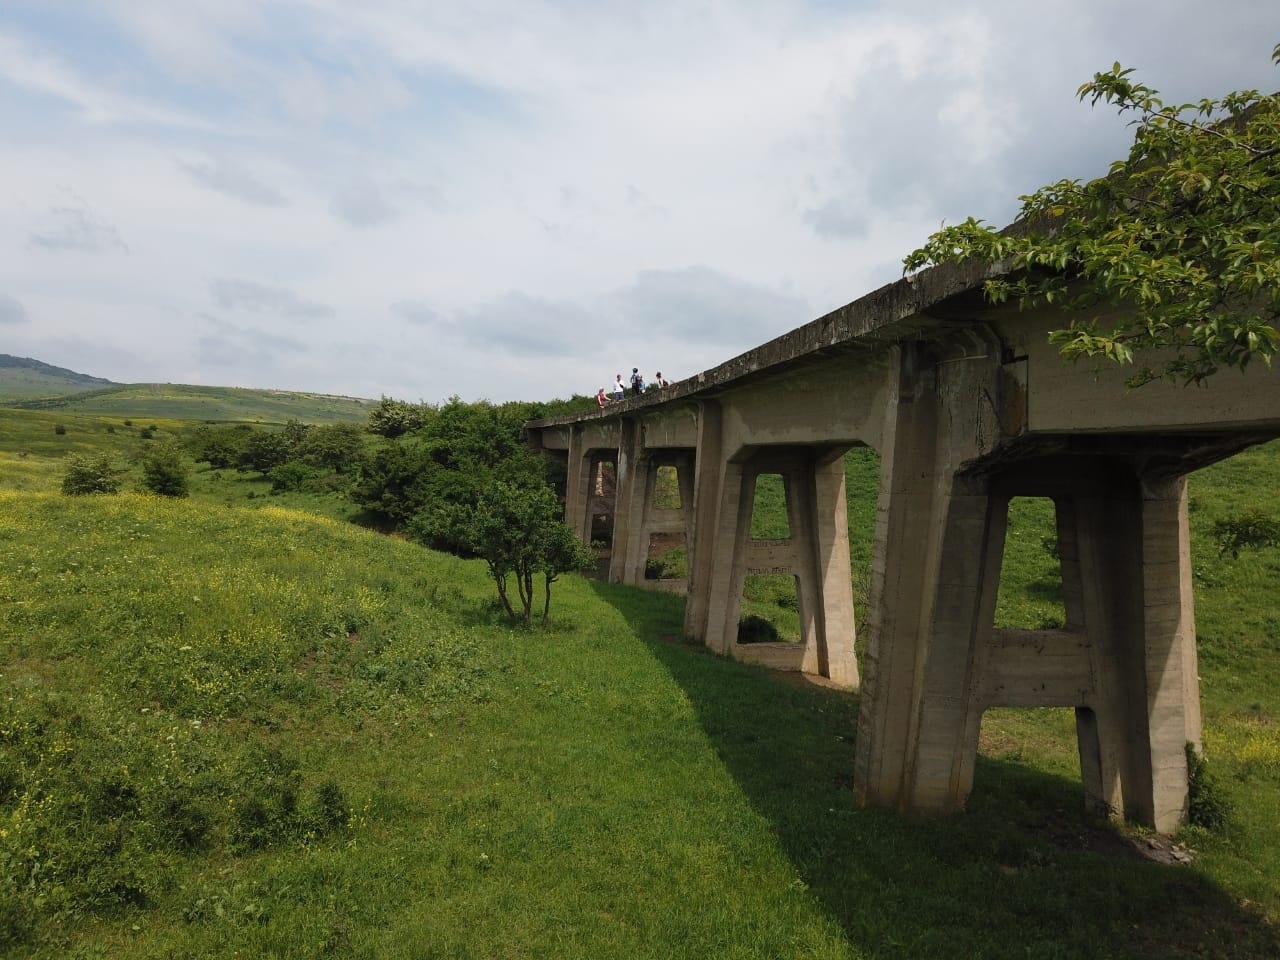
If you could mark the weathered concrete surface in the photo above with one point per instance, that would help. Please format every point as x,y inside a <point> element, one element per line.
<point>968,407</point>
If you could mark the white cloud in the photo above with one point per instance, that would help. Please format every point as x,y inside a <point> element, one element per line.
<point>11,311</point>
<point>75,226</point>
<point>230,178</point>
<point>232,294</point>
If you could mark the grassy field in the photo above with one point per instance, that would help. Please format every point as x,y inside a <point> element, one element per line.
<point>229,732</point>
<point>175,401</point>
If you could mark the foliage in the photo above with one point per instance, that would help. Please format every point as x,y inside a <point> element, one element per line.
<point>263,450</point>
<point>220,446</point>
<point>465,481</point>
<point>517,531</point>
<point>90,474</point>
<point>1250,529</point>
<point>1184,232</point>
<point>1207,806</point>
<point>447,461</point>
<point>164,471</point>
<point>334,446</point>
<point>394,418</point>
<point>756,629</point>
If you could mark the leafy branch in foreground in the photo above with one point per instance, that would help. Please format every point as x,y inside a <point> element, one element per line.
<point>1184,232</point>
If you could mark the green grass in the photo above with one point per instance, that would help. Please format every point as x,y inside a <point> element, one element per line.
<point>186,402</point>
<point>229,732</point>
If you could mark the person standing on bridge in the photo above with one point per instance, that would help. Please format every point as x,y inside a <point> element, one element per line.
<point>619,391</point>
<point>637,382</point>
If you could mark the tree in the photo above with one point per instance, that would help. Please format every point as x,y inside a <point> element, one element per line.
<point>164,471</point>
<point>336,446</point>
<point>1184,232</point>
<point>518,532</point>
<point>394,418</point>
<point>264,450</point>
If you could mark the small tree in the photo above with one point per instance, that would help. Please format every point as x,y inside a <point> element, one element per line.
<point>86,474</point>
<point>1185,232</point>
<point>164,471</point>
<point>517,530</point>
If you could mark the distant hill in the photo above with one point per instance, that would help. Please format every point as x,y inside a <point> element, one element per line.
<point>30,384</point>
<point>23,378</point>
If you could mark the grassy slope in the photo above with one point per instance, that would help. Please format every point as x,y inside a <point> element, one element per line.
<point>184,402</point>
<point>591,790</point>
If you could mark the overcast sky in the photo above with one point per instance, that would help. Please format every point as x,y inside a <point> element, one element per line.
<point>517,199</point>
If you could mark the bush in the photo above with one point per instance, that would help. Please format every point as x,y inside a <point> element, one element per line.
<point>754,629</point>
<point>59,429</point>
<point>90,475</point>
<point>293,477</point>
<point>165,472</point>
<point>1249,530</point>
<point>1206,806</point>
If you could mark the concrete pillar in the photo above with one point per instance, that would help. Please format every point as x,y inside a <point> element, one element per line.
<point>725,570</point>
<point>958,641</point>
<point>834,657</point>
<point>628,516</point>
<point>908,532</point>
<point>576,479</point>
<point>1173,689</point>
<point>704,502</point>
<point>1127,579</point>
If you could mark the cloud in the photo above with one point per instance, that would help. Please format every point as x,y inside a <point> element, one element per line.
<point>76,227</point>
<point>11,311</point>
<point>230,347</point>
<point>418,313</point>
<point>519,323</point>
<point>228,177</point>
<point>702,305</point>
<point>362,204</point>
<point>232,294</point>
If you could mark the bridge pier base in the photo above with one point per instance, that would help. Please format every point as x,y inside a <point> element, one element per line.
<point>1125,659</point>
<point>816,554</point>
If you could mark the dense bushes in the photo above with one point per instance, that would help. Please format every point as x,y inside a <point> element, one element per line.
<point>90,475</point>
<point>164,471</point>
<point>465,481</point>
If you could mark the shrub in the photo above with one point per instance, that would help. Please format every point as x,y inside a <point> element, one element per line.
<point>1206,806</point>
<point>293,476</point>
<point>1249,530</point>
<point>165,472</point>
<point>755,629</point>
<point>59,429</point>
<point>90,475</point>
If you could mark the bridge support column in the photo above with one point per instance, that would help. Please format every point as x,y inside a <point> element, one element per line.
<point>576,482</point>
<point>628,518</point>
<point>649,518</point>
<point>816,554</point>
<point>705,518</point>
<point>1125,658</point>
<point>1127,583</point>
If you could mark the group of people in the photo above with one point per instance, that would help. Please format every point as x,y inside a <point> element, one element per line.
<point>638,385</point>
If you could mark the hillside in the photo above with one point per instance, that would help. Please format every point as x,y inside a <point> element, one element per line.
<point>24,378</point>
<point>178,401</point>
<point>229,728</point>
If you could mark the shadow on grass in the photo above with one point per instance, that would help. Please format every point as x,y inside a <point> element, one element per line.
<point>1019,874</point>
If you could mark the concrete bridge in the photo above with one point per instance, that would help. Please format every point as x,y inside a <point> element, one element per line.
<point>968,406</point>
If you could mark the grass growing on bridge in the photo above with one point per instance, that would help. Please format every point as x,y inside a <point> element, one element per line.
<point>228,732</point>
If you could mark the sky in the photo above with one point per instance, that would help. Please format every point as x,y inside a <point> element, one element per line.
<point>518,199</point>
